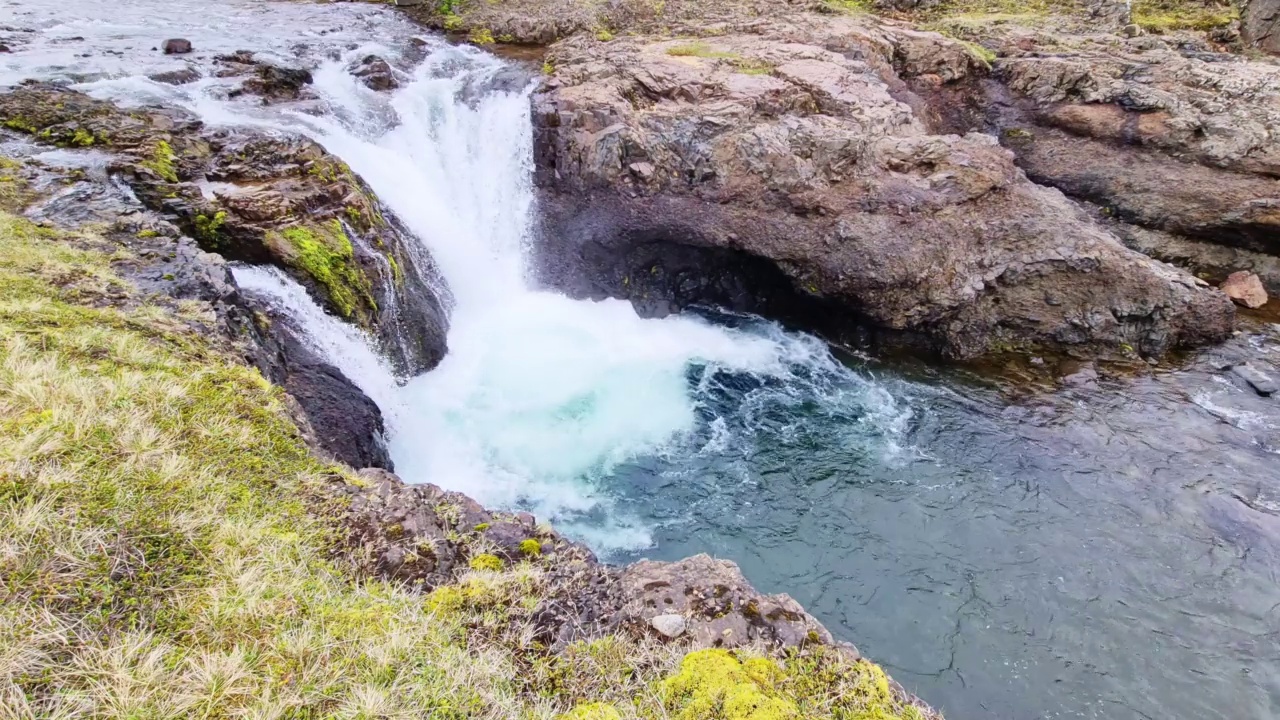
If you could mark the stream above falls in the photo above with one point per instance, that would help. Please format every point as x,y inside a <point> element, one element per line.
<point>1104,549</point>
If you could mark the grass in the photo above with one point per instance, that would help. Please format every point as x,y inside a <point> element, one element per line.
<point>1162,16</point>
<point>699,49</point>
<point>166,551</point>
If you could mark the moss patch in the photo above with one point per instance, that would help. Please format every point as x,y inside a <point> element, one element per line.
<point>1162,16</point>
<point>324,253</point>
<point>161,161</point>
<point>698,49</point>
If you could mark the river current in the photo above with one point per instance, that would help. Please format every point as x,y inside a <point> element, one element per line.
<point>1107,549</point>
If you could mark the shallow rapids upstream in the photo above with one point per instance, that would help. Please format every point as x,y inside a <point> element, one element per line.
<point>1107,550</point>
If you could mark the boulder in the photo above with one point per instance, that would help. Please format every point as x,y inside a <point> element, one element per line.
<point>275,82</point>
<point>803,180</point>
<point>715,603</point>
<point>375,73</point>
<point>1245,289</point>
<point>176,46</point>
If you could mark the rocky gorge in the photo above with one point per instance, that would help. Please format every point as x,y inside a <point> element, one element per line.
<point>994,190</point>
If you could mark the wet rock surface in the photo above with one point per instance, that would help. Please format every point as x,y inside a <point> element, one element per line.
<point>788,151</point>
<point>263,199</point>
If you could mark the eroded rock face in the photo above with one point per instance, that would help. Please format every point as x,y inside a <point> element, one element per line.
<point>815,161</point>
<point>1172,137</point>
<point>1260,25</point>
<point>261,199</point>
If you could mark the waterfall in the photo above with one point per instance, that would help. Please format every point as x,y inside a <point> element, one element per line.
<point>542,400</point>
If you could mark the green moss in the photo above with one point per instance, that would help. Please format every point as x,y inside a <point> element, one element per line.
<point>325,254</point>
<point>548,68</point>
<point>145,234</point>
<point>592,711</point>
<point>481,527</point>
<point>713,684</point>
<point>850,7</point>
<point>603,35</point>
<point>481,36</point>
<point>492,563</point>
<point>1162,16</point>
<point>208,228</point>
<point>750,66</point>
<point>698,49</point>
<point>21,125</point>
<point>531,547</point>
<point>397,275</point>
<point>161,161</point>
<point>978,51</point>
<point>452,22</point>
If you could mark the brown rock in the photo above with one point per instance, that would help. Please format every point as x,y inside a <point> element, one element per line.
<point>1245,289</point>
<point>719,606</point>
<point>176,46</point>
<point>794,180</point>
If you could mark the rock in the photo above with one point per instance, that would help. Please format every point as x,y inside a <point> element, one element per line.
<point>1245,289</point>
<point>375,73</point>
<point>5,48</point>
<point>717,604</point>
<point>1258,380</point>
<point>275,191</point>
<point>347,424</point>
<point>1075,374</point>
<point>1260,25</point>
<point>274,82</point>
<point>176,46</point>
<point>1110,14</point>
<point>669,626</point>
<point>177,77</point>
<point>1162,137</point>
<point>790,179</point>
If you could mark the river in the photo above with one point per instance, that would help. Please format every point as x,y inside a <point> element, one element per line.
<point>1006,549</point>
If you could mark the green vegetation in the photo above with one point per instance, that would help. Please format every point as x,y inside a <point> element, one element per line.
<point>491,563</point>
<point>208,228</point>
<point>850,7</point>
<point>531,547</point>
<point>749,66</point>
<point>1162,16</point>
<point>161,161</point>
<point>481,36</point>
<point>981,53</point>
<point>698,49</point>
<point>603,34</point>
<point>325,254</point>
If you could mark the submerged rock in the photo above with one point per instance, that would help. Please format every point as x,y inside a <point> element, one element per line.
<point>805,179</point>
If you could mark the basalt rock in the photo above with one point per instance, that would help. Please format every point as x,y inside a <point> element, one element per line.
<point>262,199</point>
<point>275,82</point>
<point>803,161</point>
<point>423,536</point>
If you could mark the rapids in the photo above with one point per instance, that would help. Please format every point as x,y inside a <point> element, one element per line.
<point>1101,551</point>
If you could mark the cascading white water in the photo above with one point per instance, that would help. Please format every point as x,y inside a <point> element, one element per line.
<point>540,397</point>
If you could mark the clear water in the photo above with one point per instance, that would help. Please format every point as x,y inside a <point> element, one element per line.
<point>1081,553</point>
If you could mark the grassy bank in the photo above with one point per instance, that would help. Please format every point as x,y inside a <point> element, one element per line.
<point>165,551</point>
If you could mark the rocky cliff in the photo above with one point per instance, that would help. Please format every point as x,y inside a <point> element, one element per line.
<point>946,176</point>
